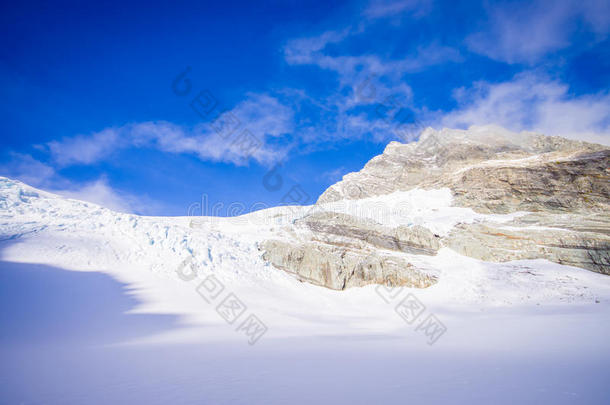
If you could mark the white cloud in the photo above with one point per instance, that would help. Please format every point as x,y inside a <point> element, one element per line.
<point>303,50</point>
<point>534,103</point>
<point>358,126</point>
<point>526,31</point>
<point>97,192</point>
<point>101,193</point>
<point>334,175</point>
<point>260,118</point>
<point>363,80</point>
<point>515,32</point>
<point>25,168</point>
<point>86,149</point>
<point>265,115</point>
<point>596,13</point>
<point>312,51</point>
<point>351,68</point>
<point>391,8</point>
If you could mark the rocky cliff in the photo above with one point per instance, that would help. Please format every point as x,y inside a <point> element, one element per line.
<point>553,195</point>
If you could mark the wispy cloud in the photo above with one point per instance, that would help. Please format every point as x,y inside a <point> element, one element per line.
<point>526,31</point>
<point>333,176</point>
<point>380,77</point>
<point>82,149</point>
<point>514,32</point>
<point>263,116</point>
<point>312,51</point>
<point>306,50</point>
<point>102,193</point>
<point>35,173</point>
<point>533,102</point>
<point>24,167</point>
<point>391,8</point>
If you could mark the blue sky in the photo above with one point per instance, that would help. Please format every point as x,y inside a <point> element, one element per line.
<point>289,96</point>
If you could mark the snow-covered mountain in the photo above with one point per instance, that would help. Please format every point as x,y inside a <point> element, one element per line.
<point>401,233</point>
<point>486,193</point>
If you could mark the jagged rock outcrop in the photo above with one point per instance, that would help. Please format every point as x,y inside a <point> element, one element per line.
<point>559,188</point>
<point>579,182</point>
<point>332,227</point>
<point>338,267</point>
<point>487,242</point>
<point>337,251</point>
<point>489,169</point>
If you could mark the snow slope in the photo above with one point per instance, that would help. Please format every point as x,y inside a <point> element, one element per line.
<point>148,252</point>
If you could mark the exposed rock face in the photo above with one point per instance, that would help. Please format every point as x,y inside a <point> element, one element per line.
<point>338,251</point>
<point>338,267</point>
<point>332,226</point>
<point>490,170</point>
<point>576,183</point>
<point>498,245</point>
<point>560,187</point>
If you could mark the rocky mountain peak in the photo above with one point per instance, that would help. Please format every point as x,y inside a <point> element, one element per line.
<point>454,158</point>
<point>514,196</point>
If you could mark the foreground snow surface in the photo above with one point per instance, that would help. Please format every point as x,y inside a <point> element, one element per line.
<point>530,328</point>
